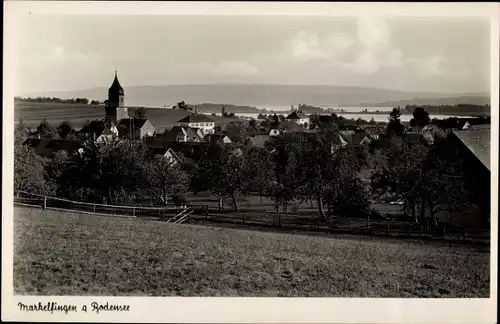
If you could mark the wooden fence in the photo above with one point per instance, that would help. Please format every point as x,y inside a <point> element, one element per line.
<point>203,213</point>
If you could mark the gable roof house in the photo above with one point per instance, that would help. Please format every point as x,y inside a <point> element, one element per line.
<point>198,121</point>
<point>290,127</point>
<point>472,148</point>
<point>353,138</point>
<point>48,147</point>
<point>218,138</point>
<point>297,117</point>
<point>135,128</point>
<point>97,128</point>
<point>183,134</point>
<point>373,131</point>
<point>414,138</point>
<point>257,140</point>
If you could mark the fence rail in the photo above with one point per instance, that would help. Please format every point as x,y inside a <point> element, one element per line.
<point>203,213</point>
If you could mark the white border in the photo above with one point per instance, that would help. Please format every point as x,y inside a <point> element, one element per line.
<point>248,310</point>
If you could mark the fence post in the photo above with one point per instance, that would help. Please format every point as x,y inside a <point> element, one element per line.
<point>94,209</point>
<point>45,203</point>
<point>133,211</point>
<point>368,221</point>
<point>387,227</point>
<point>243,213</point>
<point>206,212</point>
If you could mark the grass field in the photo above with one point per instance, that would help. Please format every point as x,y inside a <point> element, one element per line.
<point>72,254</point>
<point>55,113</point>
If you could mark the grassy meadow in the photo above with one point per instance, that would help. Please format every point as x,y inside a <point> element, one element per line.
<point>55,113</point>
<point>73,254</point>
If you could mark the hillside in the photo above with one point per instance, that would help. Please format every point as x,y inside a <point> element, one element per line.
<point>148,258</point>
<point>32,114</point>
<point>447,101</point>
<point>261,96</point>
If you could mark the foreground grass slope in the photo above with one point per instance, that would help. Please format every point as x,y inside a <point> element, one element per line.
<point>72,254</point>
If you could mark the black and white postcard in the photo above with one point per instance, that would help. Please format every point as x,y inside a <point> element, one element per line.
<point>250,162</point>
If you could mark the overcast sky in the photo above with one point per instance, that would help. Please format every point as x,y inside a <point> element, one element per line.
<point>416,54</point>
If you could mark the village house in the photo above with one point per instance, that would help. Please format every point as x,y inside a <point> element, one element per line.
<point>135,128</point>
<point>183,134</point>
<point>472,147</point>
<point>218,138</point>
<point>274,132</point>
<point>257,140</point>
<point>354,138</point>
<point>198,121</point>
<point>99,130</point>
<point>298,117</point>
<point>47,147</point>
<point>172,157</point>
<point>373,131</point>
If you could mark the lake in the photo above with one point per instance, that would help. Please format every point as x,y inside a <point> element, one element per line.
<point>365,116</point>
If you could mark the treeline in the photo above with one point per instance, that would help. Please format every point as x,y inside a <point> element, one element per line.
<point>83,101</point>
<point>463,109</point>
<point>307,109</point>
<point>217,108</point>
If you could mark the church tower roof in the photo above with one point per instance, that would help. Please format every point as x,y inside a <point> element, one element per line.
<point>116,87</point>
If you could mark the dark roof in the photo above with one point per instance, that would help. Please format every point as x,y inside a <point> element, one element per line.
<point>33,142</point>
<point>95,126</point>
<point>478,142</point>
<point>296,115</point>
<point>373,129</point>
<point>196,118</point>
<point>413,138</point>
<point>58,144</point>
<point>290,127</point>
<point>259,140</point>
<point>353,138</point>
<point>136,122</point>
<point>115,86</point>
<point>215,138</point>
<point>480,127</point>
<point>175,130</point>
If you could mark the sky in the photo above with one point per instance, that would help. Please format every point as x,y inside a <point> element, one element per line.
<point>438,54</point>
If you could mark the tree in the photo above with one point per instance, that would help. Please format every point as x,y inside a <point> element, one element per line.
<point>252,127</point>
<point>140,113</point>
<point>112,171</point>
<point>29,172</point>
<point>236,131</point>
<point>402,176</point>
<point>275,121</point>
<point>420,118</point>
<point>64,129</point>
<point>162,178</point>
<point>395,128</point>
<point>182,106</point>
<point>45,130</point>
<point>223,173</point>
<point>258,159</point>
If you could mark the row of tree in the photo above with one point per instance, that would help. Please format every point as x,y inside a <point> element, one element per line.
<point>83,101</point>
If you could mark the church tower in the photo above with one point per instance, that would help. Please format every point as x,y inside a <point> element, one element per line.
<point>115,107</point>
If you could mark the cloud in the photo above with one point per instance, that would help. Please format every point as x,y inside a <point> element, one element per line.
<point>373,32</point>
<point>374,48</point>
<point>235,68</point>
<point>59,54</point>
<point>309,46</point>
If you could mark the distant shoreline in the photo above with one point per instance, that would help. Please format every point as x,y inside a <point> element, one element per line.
<point>250,110</point>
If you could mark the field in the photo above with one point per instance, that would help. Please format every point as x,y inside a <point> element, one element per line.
<point>77,114</point>
<point>72,254</point>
